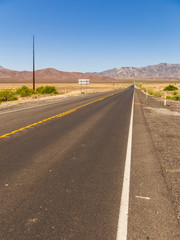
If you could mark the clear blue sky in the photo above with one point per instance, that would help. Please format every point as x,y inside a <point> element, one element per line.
<point>89,35</point>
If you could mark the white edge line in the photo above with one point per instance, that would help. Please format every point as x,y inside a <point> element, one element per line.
<point>124,207</point>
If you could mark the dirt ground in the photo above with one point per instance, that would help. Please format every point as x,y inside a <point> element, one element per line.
<point>158,87</point>
<point>164,126</point>
<point>71,88</point>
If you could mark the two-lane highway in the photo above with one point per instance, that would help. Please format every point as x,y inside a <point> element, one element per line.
<point>71,170</point>
<point>24,114</point>
<point>62,179</point>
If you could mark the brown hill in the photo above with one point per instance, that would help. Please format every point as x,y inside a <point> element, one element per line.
<point>48,75</point>
<point>162,71</point>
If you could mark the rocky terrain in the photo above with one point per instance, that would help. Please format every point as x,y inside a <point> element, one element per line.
<point>163,71</point>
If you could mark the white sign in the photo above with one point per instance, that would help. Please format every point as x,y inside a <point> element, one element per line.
<point>84,81</point>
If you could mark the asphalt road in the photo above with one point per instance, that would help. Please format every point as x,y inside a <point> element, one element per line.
<point>62,178</point>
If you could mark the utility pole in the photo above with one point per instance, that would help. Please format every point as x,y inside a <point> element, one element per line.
<point>33,67</point>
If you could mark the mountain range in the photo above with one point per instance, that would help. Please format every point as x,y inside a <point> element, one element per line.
<point>48,75</point>
<point>162,71</point>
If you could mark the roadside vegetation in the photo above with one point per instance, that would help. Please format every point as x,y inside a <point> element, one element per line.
<point>24,91</point>
<point>7,95</point>
<point>152,92</point>
<point>47,90</point>
<point>171,89</point>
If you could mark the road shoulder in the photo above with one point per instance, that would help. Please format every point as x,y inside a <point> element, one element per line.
<point>151,213</point>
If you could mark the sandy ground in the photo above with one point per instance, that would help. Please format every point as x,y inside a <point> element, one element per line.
<point>164,126</point>
<point>158,87</point>
<point>72,89</point>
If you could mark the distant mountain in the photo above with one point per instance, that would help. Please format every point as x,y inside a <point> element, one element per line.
<point>160,71</point>
<point>48,75</point>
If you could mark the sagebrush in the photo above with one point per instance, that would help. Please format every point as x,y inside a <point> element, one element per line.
<point>7,95</point>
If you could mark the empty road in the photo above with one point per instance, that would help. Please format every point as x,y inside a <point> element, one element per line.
<point>62,169</point>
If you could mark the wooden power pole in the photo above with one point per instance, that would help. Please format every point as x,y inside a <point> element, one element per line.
<point>33,67</point>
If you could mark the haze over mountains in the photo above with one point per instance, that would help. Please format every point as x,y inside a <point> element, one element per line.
<point>162,71</point>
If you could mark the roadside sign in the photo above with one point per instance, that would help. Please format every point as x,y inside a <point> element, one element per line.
<point>84,81</point>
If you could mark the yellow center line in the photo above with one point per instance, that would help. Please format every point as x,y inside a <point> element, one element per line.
<point>57,116</point>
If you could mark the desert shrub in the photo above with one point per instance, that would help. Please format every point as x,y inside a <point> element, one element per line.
<point>176,97</point>
<point>47,90</point>
<point>50,90</point>
<point>7,95</point>
<point>13,98</point>
<point>168,97</point>
<point>39,90</point>
<point>174,93</point>
<point>24,91</point>
<point>170,88</point>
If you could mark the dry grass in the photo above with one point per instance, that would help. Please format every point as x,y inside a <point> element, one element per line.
<point>71,88</point>
<point>158,87</point>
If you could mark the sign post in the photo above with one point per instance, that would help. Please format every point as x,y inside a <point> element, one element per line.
<point>84,81</point>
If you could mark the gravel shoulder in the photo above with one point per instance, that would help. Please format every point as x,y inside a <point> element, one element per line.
<point>164,126</point>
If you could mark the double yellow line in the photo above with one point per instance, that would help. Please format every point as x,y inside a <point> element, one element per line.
<point>56,116</point>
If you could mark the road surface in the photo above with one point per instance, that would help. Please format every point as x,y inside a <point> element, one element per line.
<point>62,169</point>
